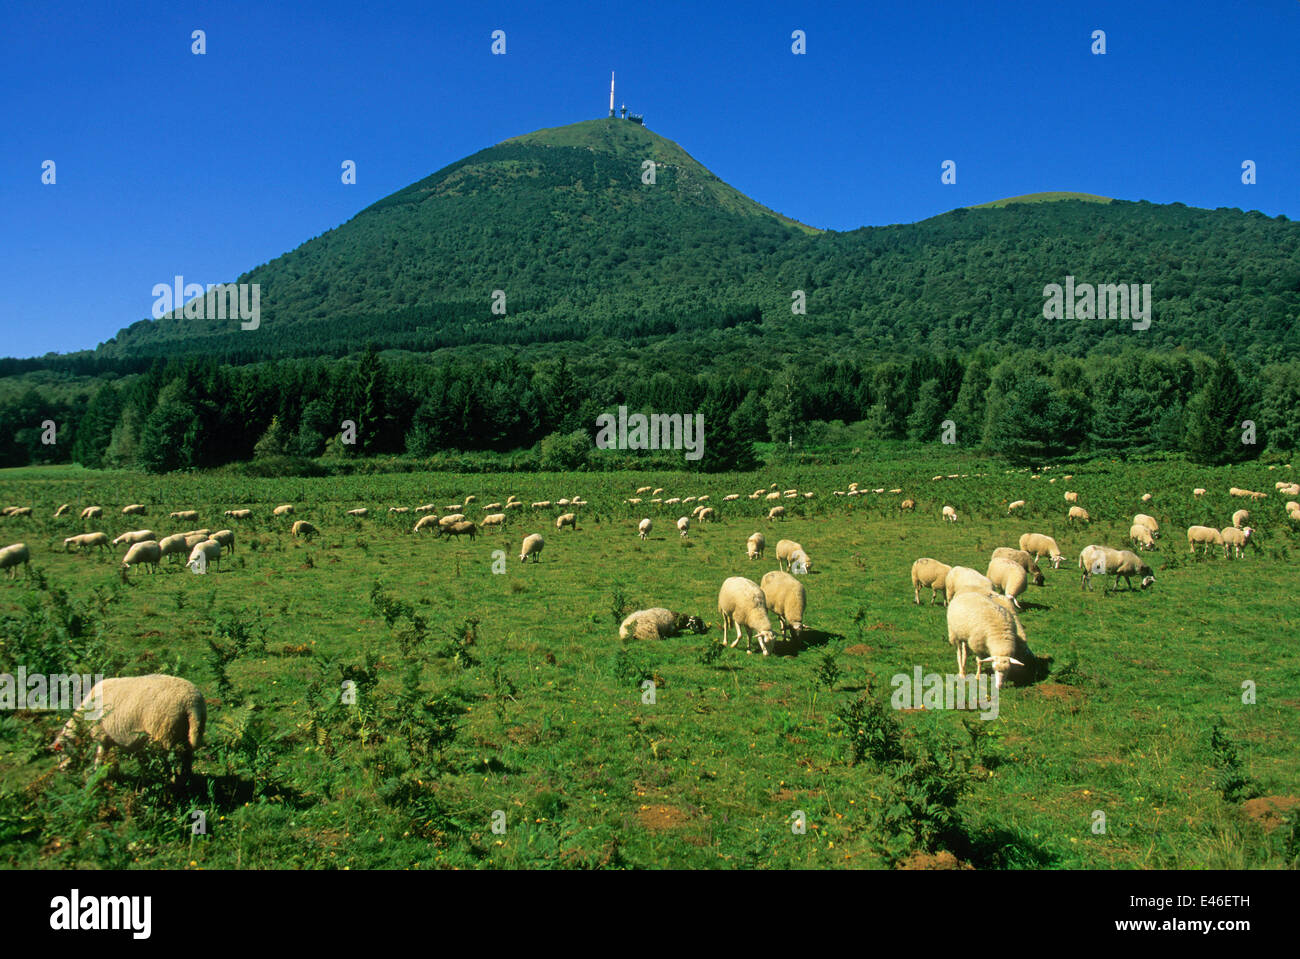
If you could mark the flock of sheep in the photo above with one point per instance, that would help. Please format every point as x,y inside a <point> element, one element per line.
<point>982,608</point>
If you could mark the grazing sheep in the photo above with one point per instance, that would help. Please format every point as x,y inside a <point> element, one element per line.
<point>204,554</point>
<point>1079,513</point>
<point>11,557</point>
<point>671,501</point>
<point>532,547</point>
<point>784,548</point>
<point>1142,536</point>
<point>135,509</point>
<point>129,711</point>
<point>1023,558</point>
<point>62,510</point>
<point>542,504</point>
<point>931,573</point>
<point>92,512</point>
<point>192,538</point>
<point>493,519</point>
<point>1009,577</point>
<point>643,528</point>
<point>462,528</point>
<point>962,579</point>
<point>1041,545</point>
<point>451,518</point>
<point>360,512</point>
<point>776,512</point>
<point>239,513</point>
<point>86,540</point>
<point>1142,519</point>
<point>708,515</point>
<point>730,497</point>
<point>471,498</point>
<point>696,512</point>
<point>743,605</point>
<point>1018,504</point>
<point>786,597</point>
<point>149,553</point>
<point>683,525</point>
<point>907,504</point>
<point>755,545</point>
<point>1240,517</point>
<point>302,528</point>
<point>1235,540</point>
<point>567,519</point>
<point>950,514</point>
<point>226,538</point>
<point>1292,506</point>
<point>177,545</point>
<point>283,510</point>
<point>800,563</point>
<point>980,624</point>
<point>1199,491</point>
<point>642,489</point>
<point>1146,497</point>
<point>514,504</point>
<point>1101,560</point>
<point>185,514</point>
<point>425,522</point>
<point>134,536</point>
<point>1071,496</point>
<point>659,623</point>
<point>1206,536</point>
<point>426,508</point>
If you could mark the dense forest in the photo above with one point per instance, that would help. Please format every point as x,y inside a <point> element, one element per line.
<point>679,296</point>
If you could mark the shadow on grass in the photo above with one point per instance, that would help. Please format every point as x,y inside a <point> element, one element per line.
<point>1000,848</point>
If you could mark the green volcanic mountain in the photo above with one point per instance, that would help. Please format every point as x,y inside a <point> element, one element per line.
<point>563,223</point>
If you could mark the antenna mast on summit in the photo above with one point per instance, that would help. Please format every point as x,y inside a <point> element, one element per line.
<point>611,93</point>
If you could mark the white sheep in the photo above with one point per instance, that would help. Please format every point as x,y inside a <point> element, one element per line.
<point>134,536</point>
<point>451,518</point>
<point>755,545</point>
<point>659,623</point>
<point>191,539</point>
<point>683,525</point>
<point>1146,497</point>
<point>776,512</point>
<point>62,510</point>
<point>128,711</point>
<point>1206,536</point>
<point>225,537</point>
<point>907,504</point>
<point>742,605</point>
<point>174,545</point>
<point>204,554</point>
<point>149,553</point>
<point>285,509</point>
<point>932,573</point>
<point>11,557</point>
<point>1235,540</point>
<point>567,519</point>
<point>532,547</point>
<point>981,624</point>
<point>87,540</point>
<point>493,519</point>
<point>1009,577</point>
<point>135,509</point>
<point>92,512</point>
<point>359,512</point>
<point>950,514</point>
<point>1240,518</point>
<point>1042,545</point>
<point>1018,504</point>
<point>1142,519</point>
<point>643,528</point>
<point>1199,491</point>
<point>786,597</point>
<point>185,514</point>
<point>239,513</point>
<point>1141,535</point>
<point>708,515</point>
<point>1079,513</point>
<point>1102,560</point>
<point>784,548</point>
<point>302,528</point>
<point>1071,496</point>
<point>425,508</point>
<point>1024,559</point>
<point>962,579</point>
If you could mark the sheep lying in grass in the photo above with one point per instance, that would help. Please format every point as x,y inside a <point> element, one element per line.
<point>1041,545</point>
<point>930,573</point>
<point>755,545</point>
<point>11,557</point>
<point>659,623</point>
<point>532,547</point>
<point>963,579</point>
<point>149,553</point>
<point>1235,540</point>
<point>981,624</point>
<point>127,712</point>
<point>786,597</point>
<point>302,528</point>
<point>742,605</point>
<point>1024,559</point>
<point>643,528</point>
<point>1206,536</point>
<point>86,541</point>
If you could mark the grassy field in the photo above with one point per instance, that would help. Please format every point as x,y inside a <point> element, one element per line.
<point>506,697</point>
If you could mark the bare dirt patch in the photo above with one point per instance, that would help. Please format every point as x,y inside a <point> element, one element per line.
<point>1269,810</point>
<point>860,649</point>
<point>660,817</point>
<point>942,859</point>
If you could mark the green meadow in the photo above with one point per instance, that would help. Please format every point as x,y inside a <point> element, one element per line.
<point>382,699</point>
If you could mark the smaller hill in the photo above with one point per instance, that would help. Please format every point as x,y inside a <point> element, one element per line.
<point>1043,198</point>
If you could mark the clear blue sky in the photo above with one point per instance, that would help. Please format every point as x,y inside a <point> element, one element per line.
<point>209,165</point>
